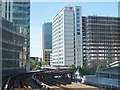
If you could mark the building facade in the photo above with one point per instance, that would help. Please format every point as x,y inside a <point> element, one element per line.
<point>101,40</point>
<point>46,41</point>
<point>66,37</point>
<point>19,14</point>
<point>13,50</point>
<point>0,44</point>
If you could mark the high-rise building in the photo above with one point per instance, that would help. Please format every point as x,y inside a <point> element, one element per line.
<point>67,37</point>
<point>0,44</point>
<point>13,50</point>
<point>14,38</point>
<point>46,41</point>
<point>101,41</point>
<point>19,14</point>
<point>91,41</point>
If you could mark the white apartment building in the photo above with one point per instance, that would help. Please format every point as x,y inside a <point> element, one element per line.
<point>67,37</point>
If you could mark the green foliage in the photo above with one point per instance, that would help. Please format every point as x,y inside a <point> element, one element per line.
<point>44,63</point>
<point>89,71</point>
<point>32,64</point>
<point>39,64</point>
<point>36,65</point>
<point>99,68</point>
<point>72,66</point>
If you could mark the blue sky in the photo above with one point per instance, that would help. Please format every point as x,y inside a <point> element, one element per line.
<point>44,11</point>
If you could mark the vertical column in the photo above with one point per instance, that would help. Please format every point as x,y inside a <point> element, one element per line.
<point>0,44</point>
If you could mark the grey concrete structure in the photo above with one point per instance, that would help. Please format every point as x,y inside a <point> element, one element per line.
<point>101,40</point>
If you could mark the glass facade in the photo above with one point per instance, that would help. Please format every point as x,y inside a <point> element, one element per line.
<point>47,36</point>
<point>46,41</point>
<point>13,49</point>
<point>0,44</point>
<point>19,14</point>
<point>21,17</point>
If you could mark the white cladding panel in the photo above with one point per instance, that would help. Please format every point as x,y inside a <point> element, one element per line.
<point>64,27</point>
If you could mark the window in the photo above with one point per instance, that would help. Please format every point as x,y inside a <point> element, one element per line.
<point>78,14</point>
<point>78,29</point>
<point>78,33</point>
<point>9,15</point>
<point>5,14</point>
<point>78,25</point>
<point>77,9</point>
<point>78,17</point>
<point>78,21</point>
<point>70,8</point>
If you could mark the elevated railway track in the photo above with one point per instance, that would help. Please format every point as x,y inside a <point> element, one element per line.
<point>42,80</point>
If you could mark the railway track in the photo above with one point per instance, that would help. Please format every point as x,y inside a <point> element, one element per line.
<point>48,82</point>
<point>19,81</point>
<point>42,80</point>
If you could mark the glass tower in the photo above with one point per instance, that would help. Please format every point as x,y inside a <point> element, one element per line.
<point>46,41</point>
<point>19,14</point>
<point>47,36</point>
<point>14,38</point>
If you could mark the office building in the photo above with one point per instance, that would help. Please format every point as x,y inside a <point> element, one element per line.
<point>19,14</point>
<point>0,44</point>
<point>101,41</point>
<point>13,50</point>
<point>46,41</point>
<point>14,38</point>
<point>67,37</point>
<point>107,78</point>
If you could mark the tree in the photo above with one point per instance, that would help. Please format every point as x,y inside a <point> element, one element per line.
<point>44,63</point>
<point>89,70</point>
<point>37,67</point>
<point>39,64</point>
<point>72,66</point>
<point>98,68</point>
<point>32,64</point>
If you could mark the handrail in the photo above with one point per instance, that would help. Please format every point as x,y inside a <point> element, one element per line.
<point>7,84</point>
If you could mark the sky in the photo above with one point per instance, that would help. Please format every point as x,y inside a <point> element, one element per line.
<point>44,11</point>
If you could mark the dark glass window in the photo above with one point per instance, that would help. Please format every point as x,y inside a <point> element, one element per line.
<point>9,15</point>
<point>78,25</point>
<point>6,6</point>
<point>78,29</point>
<point>70,8</point>
<point>78,21</point>
<point>78,14</point>
<point>5,14</point>
<point>78,17</point>
<point>78,33</point>
<point>77,9</point>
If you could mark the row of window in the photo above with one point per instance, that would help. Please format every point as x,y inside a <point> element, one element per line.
<point>10,63</point>
<point>11,54</point>
<point>59,62</point>
<point>102,18</point>
<point>105,75</point>
<point>103,22</point>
